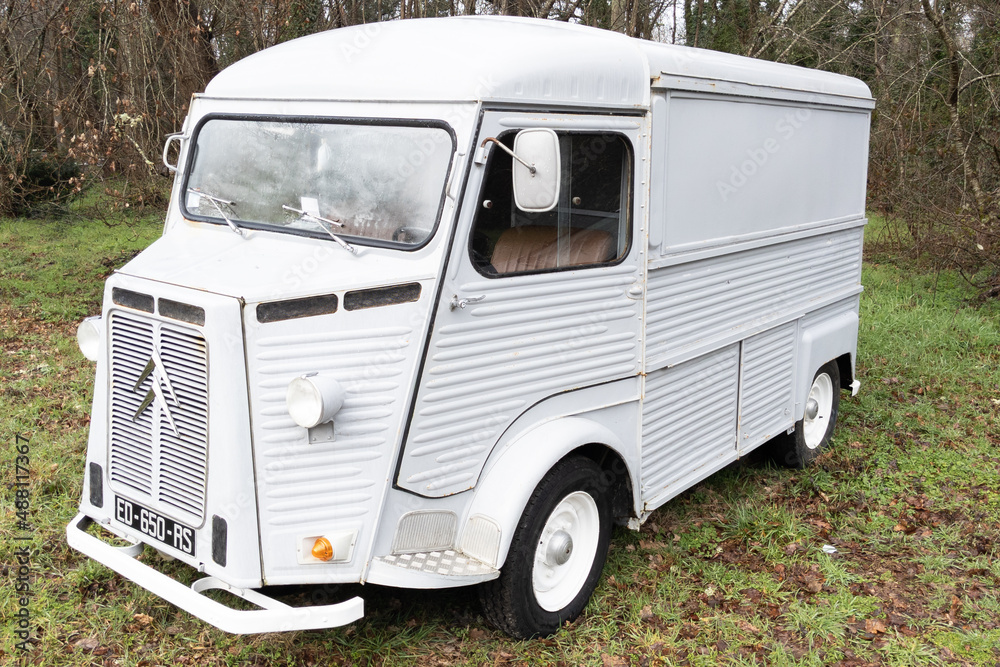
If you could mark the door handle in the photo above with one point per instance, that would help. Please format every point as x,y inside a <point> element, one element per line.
<point>462,303</point>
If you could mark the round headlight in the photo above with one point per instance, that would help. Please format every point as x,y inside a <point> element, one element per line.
<point>313,399</point>
<point>88,337</point>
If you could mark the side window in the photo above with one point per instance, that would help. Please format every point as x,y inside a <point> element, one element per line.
<point>589,226</point>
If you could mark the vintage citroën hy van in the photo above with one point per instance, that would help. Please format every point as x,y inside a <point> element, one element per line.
<point>438,302</point>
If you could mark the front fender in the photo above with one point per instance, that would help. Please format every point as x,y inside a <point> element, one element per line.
<point>512,475</point>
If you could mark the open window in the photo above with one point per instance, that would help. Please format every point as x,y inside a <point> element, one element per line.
<point>589,226</point>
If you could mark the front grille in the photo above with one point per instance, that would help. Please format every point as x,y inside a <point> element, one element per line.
<point>159,455</point>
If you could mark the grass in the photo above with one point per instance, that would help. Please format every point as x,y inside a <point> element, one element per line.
<point>731,572</point>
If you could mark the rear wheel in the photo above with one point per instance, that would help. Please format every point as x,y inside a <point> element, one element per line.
<point>556,556</point>
<point>812,433</point>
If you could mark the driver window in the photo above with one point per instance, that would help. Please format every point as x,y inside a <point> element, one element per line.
<point>588,227</point>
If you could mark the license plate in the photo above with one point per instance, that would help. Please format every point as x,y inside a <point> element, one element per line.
<point>154,525</point>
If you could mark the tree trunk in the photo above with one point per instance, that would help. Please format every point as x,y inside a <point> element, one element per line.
<point>189,40</point>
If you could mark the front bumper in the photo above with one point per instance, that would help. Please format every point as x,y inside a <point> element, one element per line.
<point>274,616</point>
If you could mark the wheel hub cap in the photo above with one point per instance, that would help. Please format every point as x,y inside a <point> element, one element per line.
<point>818,411</point>
<point>565,551</point>
<point>560,548</point>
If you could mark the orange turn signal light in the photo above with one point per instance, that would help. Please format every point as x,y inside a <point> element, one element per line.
<point>322,549</point>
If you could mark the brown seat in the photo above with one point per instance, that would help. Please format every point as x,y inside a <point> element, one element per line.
<point>534,248</point>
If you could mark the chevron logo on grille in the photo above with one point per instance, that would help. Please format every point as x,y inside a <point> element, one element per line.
<point>159,391</point>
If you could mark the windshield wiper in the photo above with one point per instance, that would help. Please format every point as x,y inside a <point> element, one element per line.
<point>323,222</point>
<point>216,201</point>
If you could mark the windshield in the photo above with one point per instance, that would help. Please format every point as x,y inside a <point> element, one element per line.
<point>377,182</point>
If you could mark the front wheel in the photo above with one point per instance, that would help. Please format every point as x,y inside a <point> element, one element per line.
<point>812,433</point>
<point>556,556</point>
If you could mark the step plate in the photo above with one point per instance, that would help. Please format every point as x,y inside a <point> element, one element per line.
<point>448,563</point>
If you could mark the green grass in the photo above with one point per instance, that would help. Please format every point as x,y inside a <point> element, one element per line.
<point>55,269</point>
<point>730,572</point>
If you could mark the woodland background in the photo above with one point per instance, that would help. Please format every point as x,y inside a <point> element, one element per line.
<point>90,88</point>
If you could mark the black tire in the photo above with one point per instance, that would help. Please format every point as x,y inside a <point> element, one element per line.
<point>510,602</point>
<point>811,435</point>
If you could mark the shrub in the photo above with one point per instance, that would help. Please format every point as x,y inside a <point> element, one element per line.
<point>33,179</point>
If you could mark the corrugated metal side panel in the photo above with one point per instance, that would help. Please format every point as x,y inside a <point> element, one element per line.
<point>532,337</point>
<point>766,394</point>
<point>688,420</point>
<point>713,299</point>
<point>319,483</point>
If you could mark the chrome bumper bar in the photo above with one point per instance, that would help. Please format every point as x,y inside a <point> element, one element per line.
<point>274,616</point>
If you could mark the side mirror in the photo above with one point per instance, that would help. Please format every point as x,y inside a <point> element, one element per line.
<point>536,170</point>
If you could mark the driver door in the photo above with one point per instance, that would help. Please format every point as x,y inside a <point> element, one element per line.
<point>533,304</point>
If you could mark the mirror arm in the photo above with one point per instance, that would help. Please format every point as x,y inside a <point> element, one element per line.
<point>531,168</point>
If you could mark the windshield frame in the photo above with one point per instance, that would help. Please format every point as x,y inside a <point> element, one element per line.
<point>334,120</point>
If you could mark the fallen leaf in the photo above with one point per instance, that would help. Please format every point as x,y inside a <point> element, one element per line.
<point>956,609</point>
<point>651,545</point>
<point>820,523</point>
<point>87,643</point>
<point>874,626</point>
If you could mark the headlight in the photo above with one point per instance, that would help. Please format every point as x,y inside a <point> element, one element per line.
<point>314,399</point>
<point>88,336</point>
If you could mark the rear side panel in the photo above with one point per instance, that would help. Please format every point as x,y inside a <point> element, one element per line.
<point>698,305</point>
<point>756,224</point>
<point>738,169</point>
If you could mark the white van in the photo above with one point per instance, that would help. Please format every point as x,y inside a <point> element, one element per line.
<point>439,301</point>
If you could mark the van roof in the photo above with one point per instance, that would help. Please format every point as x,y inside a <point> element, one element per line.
<point>498,59</point>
